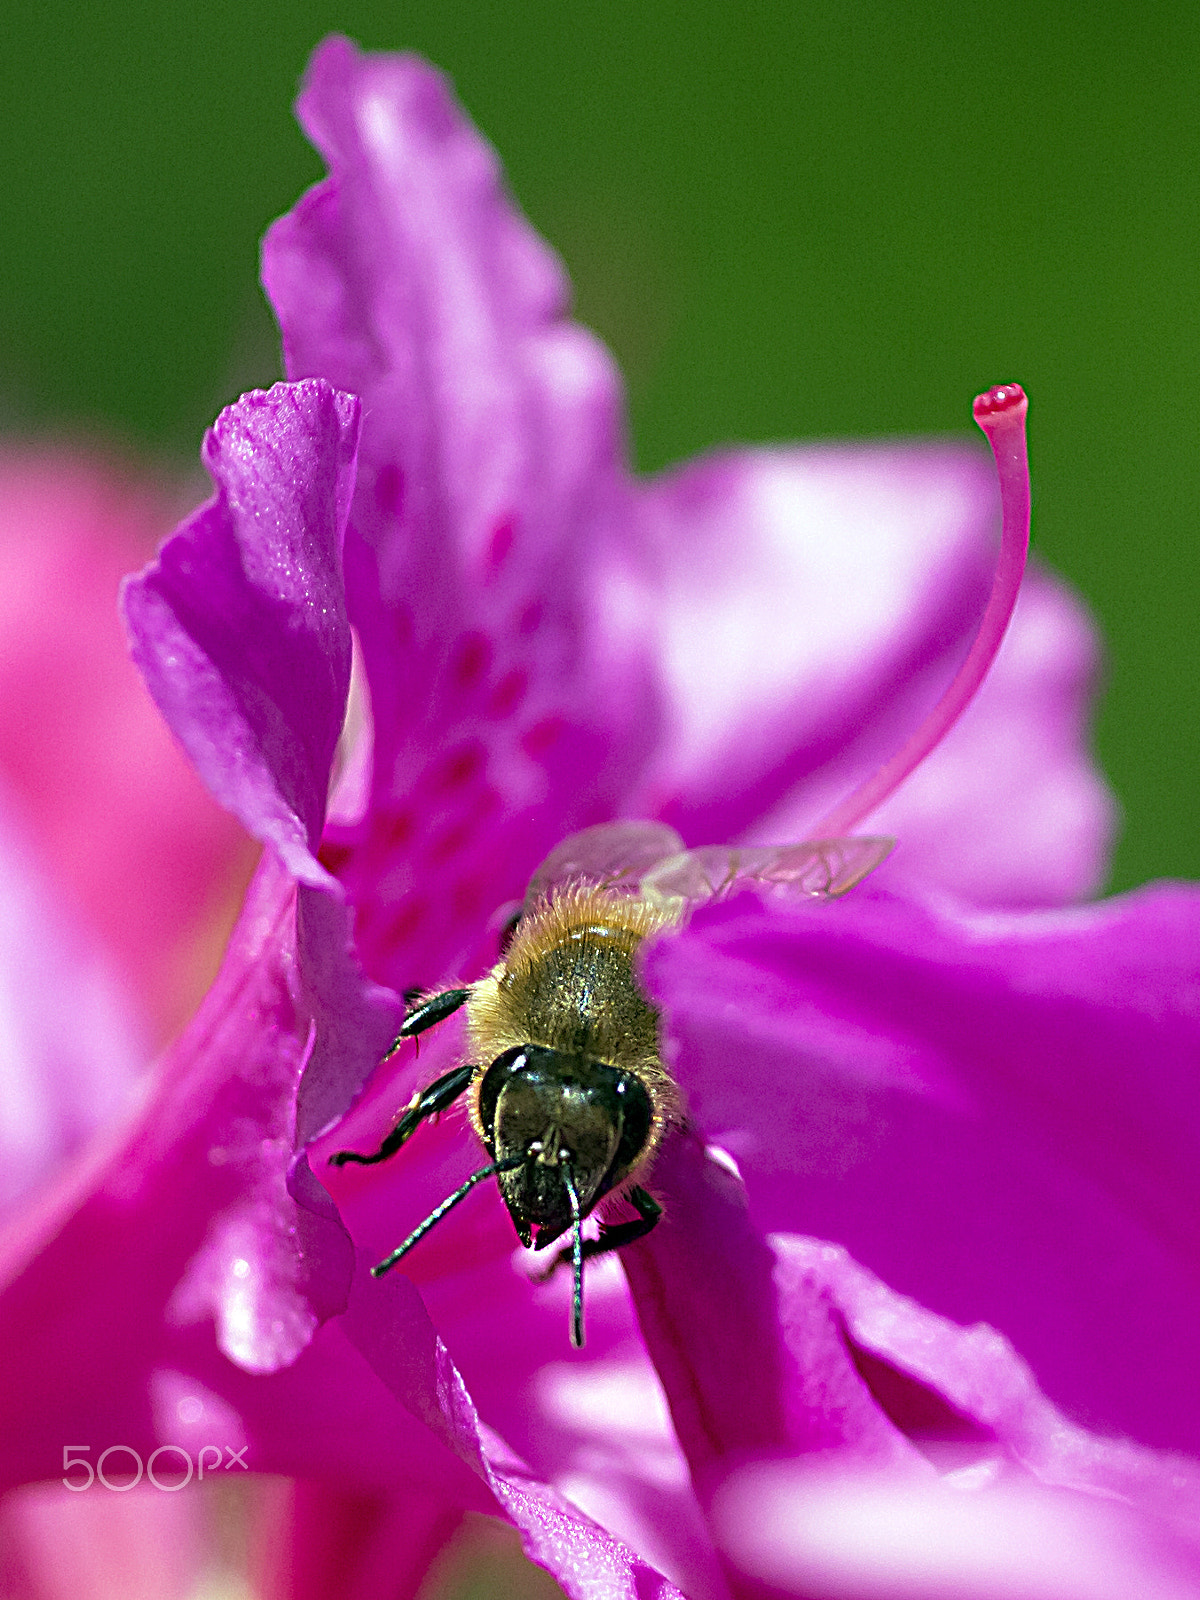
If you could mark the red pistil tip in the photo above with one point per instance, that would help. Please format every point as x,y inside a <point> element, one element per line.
<point>1004,405</point>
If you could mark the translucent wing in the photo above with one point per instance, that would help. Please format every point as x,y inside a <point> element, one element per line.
<point>612,853</point>
<point>818,869</point>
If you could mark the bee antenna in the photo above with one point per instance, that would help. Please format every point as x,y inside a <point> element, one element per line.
<point>438,1212</point>
<point>576,1259</point>
<point>1001,414</point>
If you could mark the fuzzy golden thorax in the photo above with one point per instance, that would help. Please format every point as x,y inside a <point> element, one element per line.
<point>567,982</point>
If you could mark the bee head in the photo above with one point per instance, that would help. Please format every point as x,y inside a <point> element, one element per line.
<point>558,1111</point>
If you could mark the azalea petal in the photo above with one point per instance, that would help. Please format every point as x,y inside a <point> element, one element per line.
<point>997,1114</point>
<point>410,273</point>
<point>353,1020</point>
<point>197,1177</point>
<point>810,605</point>
<point>182,1219</point>
<point>239,627</point>
<point>824,1361</point>
<point>275,1260</point>
<point>326,1417</point>
<point>599,1429</point>
<point>388,1323</point>
<point>192,1197</point>
<point>491,510</point>
<point>969,1401</point>
<point>702,1283</point>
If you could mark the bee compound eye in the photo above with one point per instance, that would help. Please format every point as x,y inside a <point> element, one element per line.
<point>512,1063</point>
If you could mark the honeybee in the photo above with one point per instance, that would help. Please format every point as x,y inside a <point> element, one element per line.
<point>567,1089</point>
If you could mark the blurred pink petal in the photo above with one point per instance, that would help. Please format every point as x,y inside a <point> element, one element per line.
<point>826,1533</point>
<point>323,1541</point>
<point>71,1041</point>
<point>133,845</point>
<point>139,1544</point>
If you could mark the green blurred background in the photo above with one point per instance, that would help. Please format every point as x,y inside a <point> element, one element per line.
<point>788,220</point>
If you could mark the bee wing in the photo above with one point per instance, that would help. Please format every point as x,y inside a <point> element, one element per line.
<point>610,853</point>
<point>819,869</point>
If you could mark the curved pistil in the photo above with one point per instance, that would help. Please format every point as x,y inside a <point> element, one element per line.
<point>1001,414</point>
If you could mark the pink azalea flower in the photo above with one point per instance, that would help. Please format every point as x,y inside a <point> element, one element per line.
<point>985,1099</point>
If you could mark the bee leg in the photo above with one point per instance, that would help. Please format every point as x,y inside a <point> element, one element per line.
<point>438,1212</point>
<point>443,1092</point>
<point>613,1235</point>
<point>427,1015</point>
